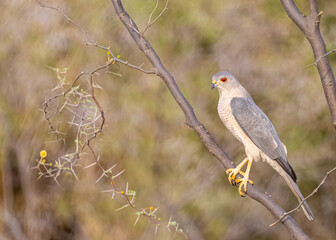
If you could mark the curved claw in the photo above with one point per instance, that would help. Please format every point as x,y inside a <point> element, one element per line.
<point>233,172</point>
<point>243,183</point>
<point>239,180</point>
<point>232,175</point>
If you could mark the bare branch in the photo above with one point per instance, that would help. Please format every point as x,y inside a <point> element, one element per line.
<point>310,26</point>
<point>313,7</point>
<point>294,13</point>
<point>67,18</point>
<point>310,195</point>
<point>193,122</point>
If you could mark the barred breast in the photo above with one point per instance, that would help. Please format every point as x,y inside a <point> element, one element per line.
<point>225,114</point>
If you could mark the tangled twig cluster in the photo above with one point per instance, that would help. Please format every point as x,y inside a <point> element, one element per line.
<point>78,103</point>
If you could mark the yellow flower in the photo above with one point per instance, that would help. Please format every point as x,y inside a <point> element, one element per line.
<point>118,56</point>
<point>159,219</point>
<point>43,160</point>
<point>122,192</point>
<point>112,182</point>
<point>150,208</point>
<point>43,153</point>
<point>66,174</point>
<point>108,52</point>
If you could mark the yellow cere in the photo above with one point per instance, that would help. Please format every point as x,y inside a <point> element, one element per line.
<point>214,82</point>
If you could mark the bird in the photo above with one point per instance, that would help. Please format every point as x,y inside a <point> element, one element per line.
<point>250,125</point>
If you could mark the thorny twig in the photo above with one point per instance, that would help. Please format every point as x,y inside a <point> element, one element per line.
<point>129,195</point>
<point>95,132</point>
<point>315,63</point>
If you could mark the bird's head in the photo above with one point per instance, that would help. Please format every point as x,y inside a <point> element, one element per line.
<point>224,82</point>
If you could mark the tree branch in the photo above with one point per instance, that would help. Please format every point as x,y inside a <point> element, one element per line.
<point>294,13</point>
<point>193,122</point>
<point>310,26</point>
<point>313,7</point>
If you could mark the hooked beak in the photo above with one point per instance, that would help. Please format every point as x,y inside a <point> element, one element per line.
<point>213,85</point>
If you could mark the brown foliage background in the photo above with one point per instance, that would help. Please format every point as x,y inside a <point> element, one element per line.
<point>165,161</point>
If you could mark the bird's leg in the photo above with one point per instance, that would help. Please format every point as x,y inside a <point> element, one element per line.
<point>243,181</point>
<point>233,172</point>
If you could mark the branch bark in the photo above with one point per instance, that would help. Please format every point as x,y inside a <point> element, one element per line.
<point>310,26</point>
<point>197,126</point>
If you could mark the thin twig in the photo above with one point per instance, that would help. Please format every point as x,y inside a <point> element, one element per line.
<point>301,202</point>
<point>151,14</point>
<point>149,23</point>
<point>67,18</point>
<point>315,63</point>
<point>91,42</point>
<point>116,59</point>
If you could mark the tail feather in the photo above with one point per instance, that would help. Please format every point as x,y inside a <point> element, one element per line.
<point>295,189</point>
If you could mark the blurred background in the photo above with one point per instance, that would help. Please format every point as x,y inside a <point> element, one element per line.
<point>165,162</point>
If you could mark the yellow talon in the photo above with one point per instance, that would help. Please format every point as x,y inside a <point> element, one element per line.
<point>239,180</point>
<point>233,172</point>
<point>243,183</point>
<point>232,175</point>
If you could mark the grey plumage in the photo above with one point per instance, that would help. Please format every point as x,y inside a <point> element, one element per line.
<point>260,130</point>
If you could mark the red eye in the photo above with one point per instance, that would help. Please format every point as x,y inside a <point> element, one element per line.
<point>224,79</point>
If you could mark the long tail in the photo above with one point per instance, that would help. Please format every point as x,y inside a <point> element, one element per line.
<point>295,189</point>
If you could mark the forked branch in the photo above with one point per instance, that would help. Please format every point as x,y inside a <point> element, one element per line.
<point>310,26</point>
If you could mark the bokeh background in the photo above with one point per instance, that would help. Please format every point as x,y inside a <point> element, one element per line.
<point>165,161</point>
